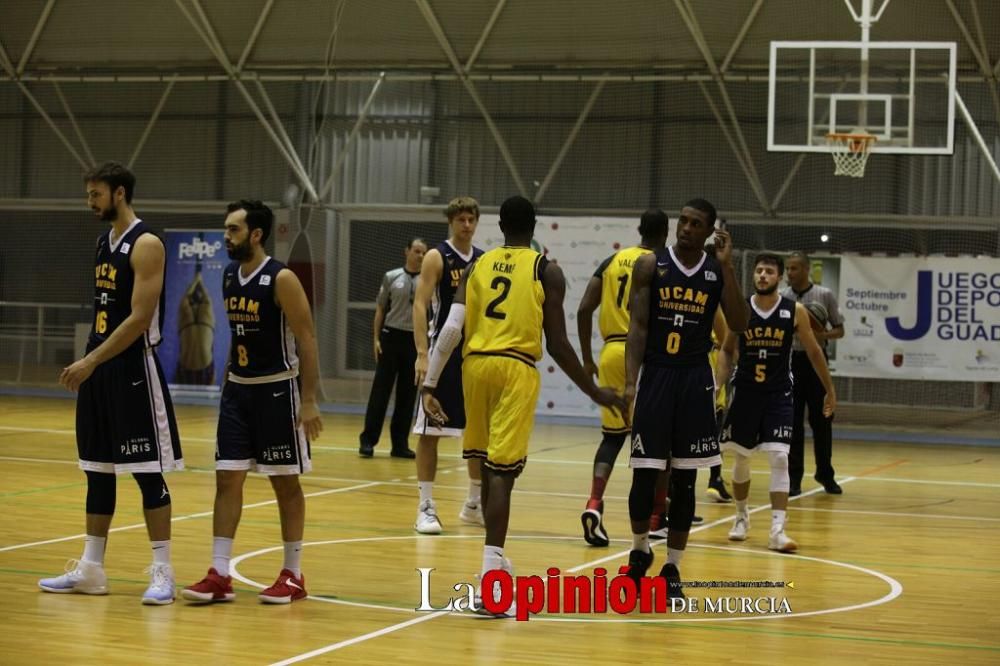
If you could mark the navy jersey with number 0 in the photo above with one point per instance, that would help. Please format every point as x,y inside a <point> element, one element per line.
<point>681,310</point>
<point>114,281</point>
<point>262,343</point>
<point>451,276</point>
<point>766,348</point>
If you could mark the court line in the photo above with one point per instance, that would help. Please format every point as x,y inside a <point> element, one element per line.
<point>189,516</point>
<point>700,528</point>
<point>546,493</point>
<point>863,476</point>
<point>42,460</point>
<point>359,639</point>
<point>895,587</point>
<point>899,514</point>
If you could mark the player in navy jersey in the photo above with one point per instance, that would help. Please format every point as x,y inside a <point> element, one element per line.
<point>124,417</point>
<point>760,413</point>
<point>675,293</point>
<point>268,413</point>
<point>440,275</point>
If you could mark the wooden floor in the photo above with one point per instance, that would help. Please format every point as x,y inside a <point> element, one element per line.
<point>902,568</point>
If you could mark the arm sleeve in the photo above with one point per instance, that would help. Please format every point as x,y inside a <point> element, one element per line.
<point>450,336</point>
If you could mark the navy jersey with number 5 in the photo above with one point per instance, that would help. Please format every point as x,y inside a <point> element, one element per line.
<point>262,345</point>
<point>114,281</point>
<point>681,310</point>
<point>766,348</point>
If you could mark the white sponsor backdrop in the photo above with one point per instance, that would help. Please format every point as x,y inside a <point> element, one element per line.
<point>578,245</point>
<point>920,318</point>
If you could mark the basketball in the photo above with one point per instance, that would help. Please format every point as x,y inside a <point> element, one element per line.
<point>818,316</point>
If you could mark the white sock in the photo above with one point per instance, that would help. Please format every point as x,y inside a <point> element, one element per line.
<point>475,491</point>
<point>741,507</point>
<point>674,556</point>
<point>293,557</point>
<point>641,542</point>
<point>93,549</point>
<point>222,552</point>
<point>492,558</point>
<point>426,487</point>
<point>777,519</point>
<point>161,551</point>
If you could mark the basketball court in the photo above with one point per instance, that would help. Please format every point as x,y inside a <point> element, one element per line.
<point>863,132</point>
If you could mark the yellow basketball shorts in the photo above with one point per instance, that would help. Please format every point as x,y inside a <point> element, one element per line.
<point>500,397</point>
<point>611,373</point>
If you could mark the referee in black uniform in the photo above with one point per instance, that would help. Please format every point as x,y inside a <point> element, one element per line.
<point>395,355</point>
<point>809,391</point>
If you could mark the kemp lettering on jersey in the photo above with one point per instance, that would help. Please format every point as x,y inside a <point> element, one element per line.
<point>615,274</point>
<point>766,347</point>
<point>453,264</point>
<point>503,300</point>
<point>681,310</point>
<point>262,344</point>
<point>114,281</point>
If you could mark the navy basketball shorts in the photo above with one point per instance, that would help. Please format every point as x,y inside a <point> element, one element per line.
<point>257,429</point>
<point>124,417</point>
<point>758,421</point>
<point>449,394</point>
<point>674,419</point>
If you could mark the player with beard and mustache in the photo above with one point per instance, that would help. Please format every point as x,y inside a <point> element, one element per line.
<point>124,418</point>
<point>268,414</point>
<point>760,414</point>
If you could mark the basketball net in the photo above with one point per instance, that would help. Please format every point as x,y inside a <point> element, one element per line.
<point>850,152</point>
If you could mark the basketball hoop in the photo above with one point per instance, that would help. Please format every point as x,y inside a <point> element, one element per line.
<point>850,152</point>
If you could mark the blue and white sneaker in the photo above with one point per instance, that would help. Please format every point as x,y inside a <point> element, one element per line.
<point>81,576</point>
<point>161,585</point>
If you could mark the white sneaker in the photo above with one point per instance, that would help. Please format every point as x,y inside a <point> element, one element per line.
<point>161,585</point>
<point>740,527</point>
<point>472,514</point>
<point>427,518</point>
<point>478,607</point>
<point>780,541</point>
<point>81,576</point>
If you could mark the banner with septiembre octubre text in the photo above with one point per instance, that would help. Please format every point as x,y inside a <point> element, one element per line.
<point>932,318</point>
<point>195,328</point>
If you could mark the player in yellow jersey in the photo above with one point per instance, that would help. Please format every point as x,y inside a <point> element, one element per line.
<point>716,490</point>
<point>608,289</point>
<point>506,299</point>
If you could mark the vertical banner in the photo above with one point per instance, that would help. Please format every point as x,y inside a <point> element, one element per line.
<point>920,318</point>
<point>578,245</point>
<point>195,327</point>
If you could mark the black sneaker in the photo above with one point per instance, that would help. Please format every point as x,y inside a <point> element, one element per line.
<point>794,491</point>
<point>366,450</point>
<point>638,563</point>
<point>831,487</point>
<point>403,453</point>
<point>664,526</point>
<point>674,588</point>
<point>717,491</point>
<point>593,526</point>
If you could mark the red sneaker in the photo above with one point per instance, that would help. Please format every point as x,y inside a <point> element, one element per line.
<point>285,590</point>
<point>209,589</point>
